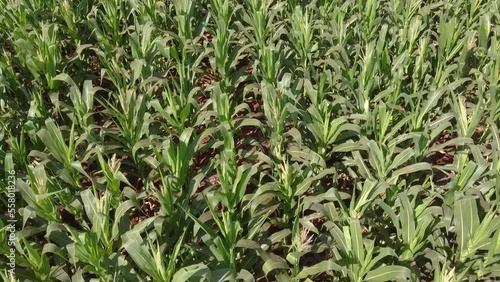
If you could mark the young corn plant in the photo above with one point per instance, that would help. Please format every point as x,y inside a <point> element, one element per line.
<point>415,224</point>
<point>185,56</point>
<point>108,20</point>
<point>36,260</point>
<point>153,11</point>
<point>475,235</point>
<point>18,149</point>
<point>335,18</point>
<point>176,157</point>
<point>222,105</point>
<point>233,182</point>
<point>131,118</point>
<point>40,64</point>
<point>321,121</point>
<point>143,43</point>
<point>72,19</point>
<point>86,249</point>
<point>178,110</point>
<point>261,19</point>
<point>276,110</point>
<point>449,44</point>
<point>222,240</point>
<point>359,258</point>
<point>111,171</point>
<point>367,81</point>
<point>384,165</point>
<point>226,172</point>
<point>97,209</point>
<point>301,245</point>
<point>222,13</point>
<point>271,60</point>
<point>305,140</point>
<point>83,101</point>
<point>39,194</point>
<point>369,12</point>
<point>149,256</point>
<point>288,186</point>
<point>406,14</point>
<point>46,59</point>
<point>302,30</point>
<point>64,153</point>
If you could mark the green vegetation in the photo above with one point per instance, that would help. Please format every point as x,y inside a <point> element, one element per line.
<point>250,140</point>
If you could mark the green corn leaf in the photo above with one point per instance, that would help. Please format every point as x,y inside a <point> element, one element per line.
<point>195,270</point>
<point>357,241</point>
<point>54,141</point>
<point>139,253</point>
<point>401,158</point>
<point>388,273</point>
<point>466,221</point>
<point>318,268</point>
<point>407,219</point>
<point>302,187</point>
<point>273,263</point>
<point>409,169</point>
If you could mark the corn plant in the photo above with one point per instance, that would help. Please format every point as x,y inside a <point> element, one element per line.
<point>261,21</point>
<point>143,45</point>
<point>176,158</point>
<point>276,109</point>
<point>111,16</point>
<point>65,154</point>
<point>43,61</point>
<point>359,256</point>
<point>83,101</point>
<point>302,34</point>
<point>321,122</point>
<point>131,118</point>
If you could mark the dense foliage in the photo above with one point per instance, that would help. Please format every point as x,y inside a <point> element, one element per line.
<point>250,140</point>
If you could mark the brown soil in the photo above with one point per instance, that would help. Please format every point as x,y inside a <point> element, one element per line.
<point>68,218</point>
<point>441,159</point>
<point>203,158</point>
<point>149,208</point>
